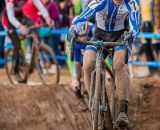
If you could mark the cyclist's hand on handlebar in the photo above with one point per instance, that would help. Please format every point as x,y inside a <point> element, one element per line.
<point>70,36</point>
<point>69,40</point>
<point>71,33</point>
<point>128,37</point>
<point>23,29</point>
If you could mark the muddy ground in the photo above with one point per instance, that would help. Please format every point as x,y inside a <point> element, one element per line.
<point>55,107</point>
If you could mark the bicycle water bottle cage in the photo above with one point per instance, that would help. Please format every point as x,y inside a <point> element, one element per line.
<point>99,43</point>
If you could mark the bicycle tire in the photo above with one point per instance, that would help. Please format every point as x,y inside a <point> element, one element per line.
<point>100,99</point>
<point>96,99</point>
<point>52,72</point>
<point>106,106</point>
<point>8,57</point>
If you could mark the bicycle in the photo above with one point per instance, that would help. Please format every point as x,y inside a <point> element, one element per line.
<point>101,109</point>
<point>42,58</point>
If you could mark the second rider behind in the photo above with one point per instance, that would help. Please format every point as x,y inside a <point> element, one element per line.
<point>17,14</point>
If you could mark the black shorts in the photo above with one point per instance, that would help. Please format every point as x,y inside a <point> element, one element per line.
<point>116,36</point>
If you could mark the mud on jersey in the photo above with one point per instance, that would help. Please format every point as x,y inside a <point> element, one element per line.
<point>111,17</point>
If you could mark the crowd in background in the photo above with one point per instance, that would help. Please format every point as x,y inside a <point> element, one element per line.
<point>63,12</point>
<point>150,22</point>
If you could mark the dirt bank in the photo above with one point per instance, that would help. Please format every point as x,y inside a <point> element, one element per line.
<point>55,107</point>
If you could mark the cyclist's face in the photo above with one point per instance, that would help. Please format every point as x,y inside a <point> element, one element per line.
<point>117,2</point>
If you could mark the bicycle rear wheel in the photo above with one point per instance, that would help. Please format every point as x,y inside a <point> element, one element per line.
<point>9,66</point>
<point>47,65</point>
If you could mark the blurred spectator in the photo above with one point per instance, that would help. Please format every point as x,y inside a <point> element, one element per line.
<point>66,11</point>
<point>2,4</point>
<point>147,26</point>
<point>53,11</point>
<point>157,15</point>
<point>79,6</point>
<point>53,40</point>
<point>157,24</point>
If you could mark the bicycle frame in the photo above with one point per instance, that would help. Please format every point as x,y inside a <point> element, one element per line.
<point>41,57</point>
<point>98,92</point>
<point>34,52</point>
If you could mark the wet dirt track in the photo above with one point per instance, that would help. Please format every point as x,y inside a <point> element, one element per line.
<point>55,107</point>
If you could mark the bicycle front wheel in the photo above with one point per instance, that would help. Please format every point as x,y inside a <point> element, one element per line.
<point>47,65</point>
<point>96,98</point>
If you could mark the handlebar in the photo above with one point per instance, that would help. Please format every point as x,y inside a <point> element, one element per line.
<point>101,43</point>
<point>98,44</point>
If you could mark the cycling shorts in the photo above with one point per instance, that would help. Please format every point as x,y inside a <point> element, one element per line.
<point>108,37</point>
<point>77,52</point>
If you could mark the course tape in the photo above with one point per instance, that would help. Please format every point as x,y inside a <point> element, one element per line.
<point>150,64</point>
<point>53,31</point>
<point>65,30</point>
<point>59,57</point>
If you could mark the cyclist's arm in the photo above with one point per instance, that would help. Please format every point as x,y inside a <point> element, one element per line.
<point>134,16</point>
<point>93,7</point>
<point>11,14</point>
<point>41,8</point>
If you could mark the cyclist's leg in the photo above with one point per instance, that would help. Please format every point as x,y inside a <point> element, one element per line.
<point>90,57</point>
<point>122,84</point>
<point>77,66</point>
<point>76,76</point>
<point>16,43</point>
<point>89,65</point>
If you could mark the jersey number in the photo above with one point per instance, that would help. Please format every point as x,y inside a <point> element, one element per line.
<point>133,4</point>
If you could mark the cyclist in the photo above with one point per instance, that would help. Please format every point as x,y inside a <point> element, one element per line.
<point>113,18</point>
<point>17,14</point>
<point>84,34</point>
